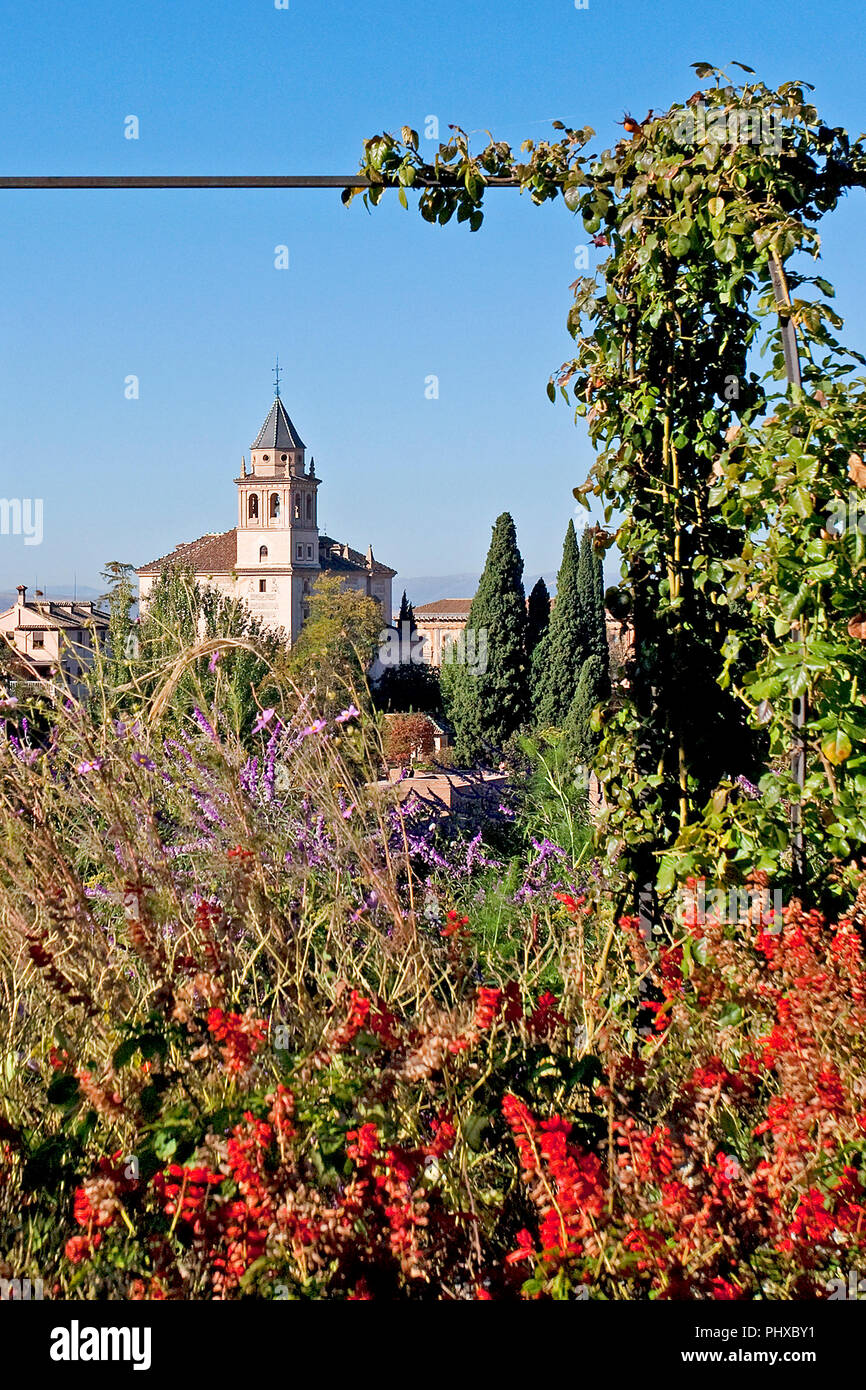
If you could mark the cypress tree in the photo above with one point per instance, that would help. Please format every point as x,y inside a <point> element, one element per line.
<point>593,684</point>
<point>562,650</point>
<point>411,685</point>
<point>593,688</point>
<point>590,583</point>
<point>486,693</point>
<point>407,615</point>
<point>537,615</point>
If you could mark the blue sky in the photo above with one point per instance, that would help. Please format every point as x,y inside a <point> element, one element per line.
<point>180,288</point>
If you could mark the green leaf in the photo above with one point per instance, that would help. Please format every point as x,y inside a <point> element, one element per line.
<point>474,1128</point>
<point>572,196</point>
<point>63,1089</point>
<point>124,1053</point>
<point>730,1016</point>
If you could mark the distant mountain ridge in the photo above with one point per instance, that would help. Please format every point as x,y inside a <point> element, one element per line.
<point>429,588</point>
<point>83,591</point>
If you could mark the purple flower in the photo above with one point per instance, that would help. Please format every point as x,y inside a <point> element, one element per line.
<point>315,728</point>
<point>95,766</point>
<point>345,715</point>
<point>143,761</point>
<point>212,664</point>
<point>203,724</point>
<point>263,720</point>
<point>9,702</point>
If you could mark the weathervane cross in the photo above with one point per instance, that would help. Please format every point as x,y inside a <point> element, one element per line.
<point>277,378</point>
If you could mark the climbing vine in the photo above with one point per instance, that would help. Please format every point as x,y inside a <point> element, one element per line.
<point>726,418</point>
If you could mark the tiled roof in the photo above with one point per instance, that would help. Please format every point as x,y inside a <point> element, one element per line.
<point>278,432</point>
<point>47,614</point>
<point>444,608</point>
<point>215,553</point>
<point>333,556</point>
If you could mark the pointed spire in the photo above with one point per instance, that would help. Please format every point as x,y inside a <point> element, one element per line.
<point>278,432</point>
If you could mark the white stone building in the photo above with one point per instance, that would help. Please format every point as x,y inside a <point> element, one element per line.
<point>274,555</point>
<point>51,640</point>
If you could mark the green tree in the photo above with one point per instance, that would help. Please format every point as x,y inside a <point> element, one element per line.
<point>486,693</point>
<point>331,658</point>
<point>593,681</point>
<point>593,687</point>
<point>537,615</point>
<point>410,684</point>
<point>122,641</point>
<point>238,679</point>
<point>590,583</point>
<point>562,650</point>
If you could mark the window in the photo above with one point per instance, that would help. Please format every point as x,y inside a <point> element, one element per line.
<point>265,457</point>
<point>297,506</point>
<point>309,506</point>
<point>38,639</point>
<point>263,553</point>
<point>263,585</point>
<point>253,505</point>
<point>309,552</point>
<point>283,457</point>
<point>275,504</point>
<point>300,552</point>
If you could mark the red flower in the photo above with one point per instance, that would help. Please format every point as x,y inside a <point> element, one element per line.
<point>455,925</point>
<point>241,1036</point>
<point>486,1007</point>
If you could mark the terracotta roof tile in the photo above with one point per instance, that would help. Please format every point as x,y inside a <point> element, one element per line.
<point>210,554</point>
<point>444,608</point>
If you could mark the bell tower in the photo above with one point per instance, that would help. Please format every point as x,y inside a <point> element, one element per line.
<point>278,529</point>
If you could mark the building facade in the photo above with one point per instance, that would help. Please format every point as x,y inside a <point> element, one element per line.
<point>441,624</point>
<point>273,556</point>
<point>51,639</point>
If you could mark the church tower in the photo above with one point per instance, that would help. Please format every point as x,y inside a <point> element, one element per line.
<point>278,530</point>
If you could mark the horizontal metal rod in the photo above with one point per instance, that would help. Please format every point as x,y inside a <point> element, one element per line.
<point>215,181</point>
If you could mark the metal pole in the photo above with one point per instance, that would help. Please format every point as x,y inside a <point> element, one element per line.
<point>791,349</point>
<point>86,181</point>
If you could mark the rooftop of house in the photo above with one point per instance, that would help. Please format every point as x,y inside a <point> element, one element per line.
<point>444,610</point>
<point>38,613</point>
